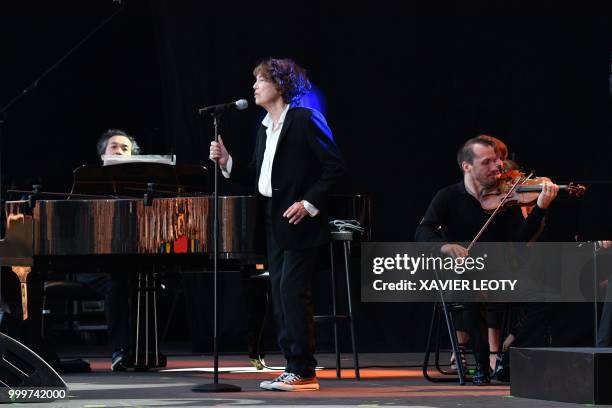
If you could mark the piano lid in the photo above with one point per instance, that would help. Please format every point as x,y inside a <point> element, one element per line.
<point>128,180</point>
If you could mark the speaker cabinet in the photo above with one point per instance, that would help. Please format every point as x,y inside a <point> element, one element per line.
<point>578,375</point>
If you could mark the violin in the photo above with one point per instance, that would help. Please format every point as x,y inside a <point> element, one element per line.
<point>514,188</point>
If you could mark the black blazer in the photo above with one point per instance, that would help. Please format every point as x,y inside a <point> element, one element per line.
<point>306,165</point>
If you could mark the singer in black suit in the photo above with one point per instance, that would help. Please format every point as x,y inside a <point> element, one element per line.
<point>294,167</point>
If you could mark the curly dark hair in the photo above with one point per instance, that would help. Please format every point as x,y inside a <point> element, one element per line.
<point>290,79</point>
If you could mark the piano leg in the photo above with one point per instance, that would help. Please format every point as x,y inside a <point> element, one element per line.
<point>32,284</point>
<point>34,322</point>
<point>22,273</point>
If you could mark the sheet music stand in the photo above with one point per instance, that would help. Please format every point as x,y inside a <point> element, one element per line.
<point>131,180</point>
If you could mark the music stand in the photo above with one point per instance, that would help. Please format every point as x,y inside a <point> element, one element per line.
<point>133,180</point>
<point>596,225</point>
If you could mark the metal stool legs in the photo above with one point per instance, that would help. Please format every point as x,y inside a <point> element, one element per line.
<point>440,310</point>
<point>345,238</point>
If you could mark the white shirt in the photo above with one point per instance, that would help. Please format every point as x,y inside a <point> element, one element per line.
<point>265,176</point>
<point>264,184</point>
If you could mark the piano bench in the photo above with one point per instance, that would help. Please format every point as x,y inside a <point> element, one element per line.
<point>68,291</point>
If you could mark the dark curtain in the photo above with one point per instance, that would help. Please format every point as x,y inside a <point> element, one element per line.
<point>404,87</point>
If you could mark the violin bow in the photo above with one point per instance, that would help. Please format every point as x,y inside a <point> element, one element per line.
<point>497,209</point>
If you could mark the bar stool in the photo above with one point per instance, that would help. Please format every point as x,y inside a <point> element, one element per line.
<point>345,237</point>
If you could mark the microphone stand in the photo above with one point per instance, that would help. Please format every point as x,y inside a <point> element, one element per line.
<point>215,386</point>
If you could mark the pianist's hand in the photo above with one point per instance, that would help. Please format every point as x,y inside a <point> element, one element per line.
<point>296,212</point>
<point>218,152</point>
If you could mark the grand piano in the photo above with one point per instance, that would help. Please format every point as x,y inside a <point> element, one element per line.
<point>141,216</point>
<point>137,215</point>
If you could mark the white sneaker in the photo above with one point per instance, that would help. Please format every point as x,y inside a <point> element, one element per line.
<point>267,384</point>
<point>295,382</point>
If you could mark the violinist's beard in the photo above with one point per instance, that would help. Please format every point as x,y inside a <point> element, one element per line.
<point>488,182</point>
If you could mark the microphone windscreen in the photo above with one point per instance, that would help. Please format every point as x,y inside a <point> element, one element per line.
<point>241,104</point>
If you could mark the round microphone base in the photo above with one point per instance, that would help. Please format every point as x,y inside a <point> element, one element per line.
<point>216,388</point>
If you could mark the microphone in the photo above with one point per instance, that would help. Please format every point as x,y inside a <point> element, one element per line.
<point>240,104</point>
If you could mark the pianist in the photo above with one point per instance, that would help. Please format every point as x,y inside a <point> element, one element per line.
<point>294,167</point>
<point>114,287</point>
<point>116,141</point>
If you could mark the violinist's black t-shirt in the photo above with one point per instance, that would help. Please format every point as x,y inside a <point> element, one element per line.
<point>456,216</point>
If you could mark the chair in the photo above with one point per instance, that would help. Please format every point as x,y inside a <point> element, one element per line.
<point>447,310</point>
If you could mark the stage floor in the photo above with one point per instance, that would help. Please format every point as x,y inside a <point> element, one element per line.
<point>387,379</point>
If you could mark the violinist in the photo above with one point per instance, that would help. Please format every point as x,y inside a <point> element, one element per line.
<point>455,215</point>
<point>493,317</point>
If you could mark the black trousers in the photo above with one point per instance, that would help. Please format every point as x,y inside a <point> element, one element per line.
<point>475,325</point>
<point>116,292</point>
<point>492,317</point>
<point>531,329</point>
<point>290,281</point>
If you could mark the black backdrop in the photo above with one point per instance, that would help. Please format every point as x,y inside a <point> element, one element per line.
<point>404,88</point>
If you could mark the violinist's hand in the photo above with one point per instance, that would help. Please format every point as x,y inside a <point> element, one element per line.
<point>454,250</point>
<point>548,194</point>
<point>605,244</point>
<point>218,152</point>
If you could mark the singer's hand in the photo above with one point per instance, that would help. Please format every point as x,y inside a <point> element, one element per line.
<point>218,152</point>
<point>296,213</point>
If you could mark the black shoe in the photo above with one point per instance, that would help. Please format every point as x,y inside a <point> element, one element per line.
<point>77,365</point>
<point>481,375</point>
<point>502,371</point>
<point>121,361</point>
<point>498,366</point>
